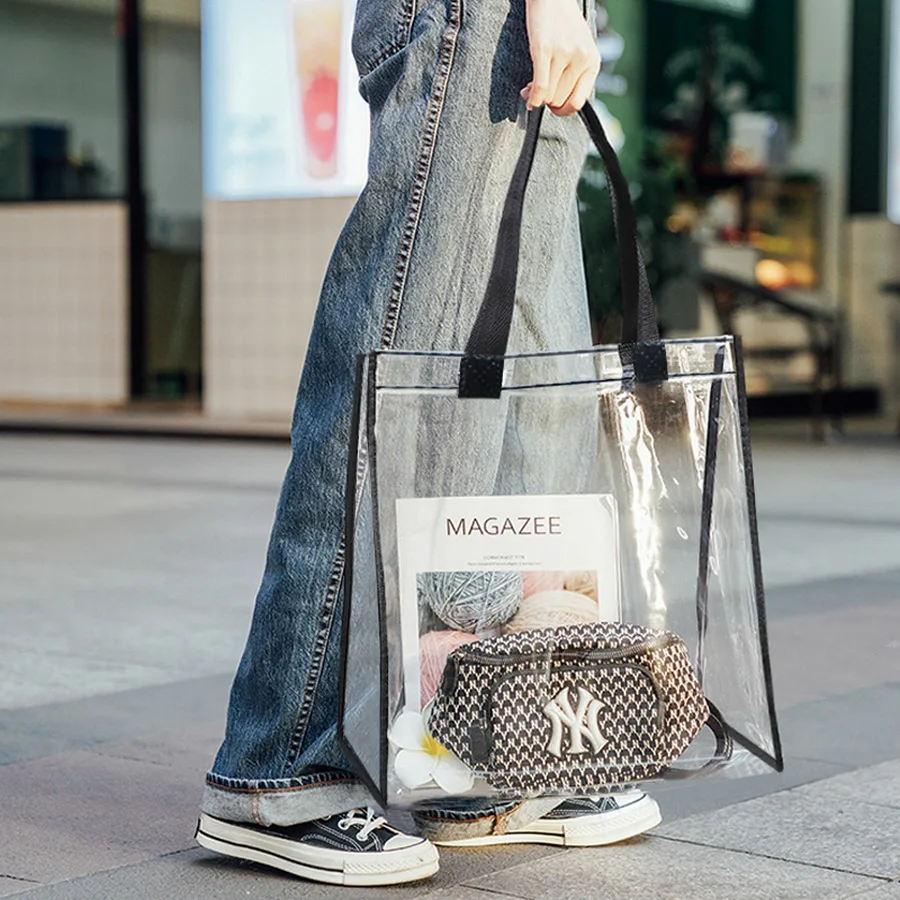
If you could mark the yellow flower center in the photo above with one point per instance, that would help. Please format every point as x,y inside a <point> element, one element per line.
<point>433,748</point>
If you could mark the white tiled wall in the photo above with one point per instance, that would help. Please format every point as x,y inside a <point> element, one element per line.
<point>263,266</point>
<point>63,303</point>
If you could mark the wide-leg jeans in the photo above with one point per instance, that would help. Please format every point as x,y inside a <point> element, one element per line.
<point>442,80</point>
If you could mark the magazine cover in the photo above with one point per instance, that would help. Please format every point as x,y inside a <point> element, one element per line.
<point>478,567</point>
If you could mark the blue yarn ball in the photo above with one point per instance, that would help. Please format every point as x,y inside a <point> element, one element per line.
<point>471,601</point>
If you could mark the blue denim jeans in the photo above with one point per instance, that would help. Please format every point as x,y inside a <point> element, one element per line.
<point>442,80</point>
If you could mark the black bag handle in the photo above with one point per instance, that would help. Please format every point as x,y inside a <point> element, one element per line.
<point>721,755</point>
<point>482,369</point>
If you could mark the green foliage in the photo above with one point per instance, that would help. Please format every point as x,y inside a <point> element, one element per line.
<point>653,192</point>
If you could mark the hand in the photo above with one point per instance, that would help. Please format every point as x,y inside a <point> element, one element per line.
<point>564,55</point>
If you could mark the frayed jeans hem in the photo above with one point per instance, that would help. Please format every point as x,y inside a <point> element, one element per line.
<point>292,801</point>
<point>287,801</point>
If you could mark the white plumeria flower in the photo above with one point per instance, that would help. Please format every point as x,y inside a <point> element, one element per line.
<point>421,759</point>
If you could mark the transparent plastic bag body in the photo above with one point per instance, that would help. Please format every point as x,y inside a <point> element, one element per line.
<point>670,463</point>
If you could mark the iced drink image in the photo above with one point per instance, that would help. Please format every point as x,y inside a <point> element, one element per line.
<point>317,27</point>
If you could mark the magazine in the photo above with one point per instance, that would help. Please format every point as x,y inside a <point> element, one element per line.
<point>477,567</point>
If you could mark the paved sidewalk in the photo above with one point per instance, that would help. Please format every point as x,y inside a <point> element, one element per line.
<point>127,573</point>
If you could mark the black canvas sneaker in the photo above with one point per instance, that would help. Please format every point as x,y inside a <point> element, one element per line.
<point>352,848</point>
<point>581,822</point>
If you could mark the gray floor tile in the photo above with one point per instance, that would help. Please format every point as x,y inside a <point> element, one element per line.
<point>190,749</point>
<point>226,465</point>
<point>789,480</point>
<point>462,864</point>
<point>886,892</point>
<point>126,566</point>
<point>457,866</point>
<point>879,785</point>
<point>463,892</point>
<point>60,727</point>
<point>800,549</point>
<point>198,874</point>
<point>76,813</point>
<point>808,533</point>
<point>825,654</point>
<point>833,593</point>
<point>10,886</point>
<point>658,868</point>
<point>857,729</point>
<point>803,827</point>
<point>679,800</point>
<point>67,675</point>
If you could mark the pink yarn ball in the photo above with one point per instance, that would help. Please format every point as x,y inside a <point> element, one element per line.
<point>552,609</point>
<point>535,582</point>
<point>434,648</point>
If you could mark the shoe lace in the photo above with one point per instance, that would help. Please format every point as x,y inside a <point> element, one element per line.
<point>366,819</point>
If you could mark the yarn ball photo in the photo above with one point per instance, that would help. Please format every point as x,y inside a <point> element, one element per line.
<point>434,648</point>
<point>471,601</point>
<point>582,583</point>
<point>552,609</point>
<point>534,582</point>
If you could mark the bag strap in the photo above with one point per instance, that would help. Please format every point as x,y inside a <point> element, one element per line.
<point>721,755</point>
<point>482,369</point>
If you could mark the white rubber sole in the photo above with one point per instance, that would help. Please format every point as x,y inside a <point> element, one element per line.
<point>579,831</point>
<point>329,866</point>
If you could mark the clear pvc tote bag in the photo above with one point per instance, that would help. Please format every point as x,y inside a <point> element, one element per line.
<point>553,580</point>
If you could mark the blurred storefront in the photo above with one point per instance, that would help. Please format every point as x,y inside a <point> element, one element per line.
<point>754,133</point>
<point>68,333</point>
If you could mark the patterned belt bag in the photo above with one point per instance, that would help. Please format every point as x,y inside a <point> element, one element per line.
<point>575,709</point>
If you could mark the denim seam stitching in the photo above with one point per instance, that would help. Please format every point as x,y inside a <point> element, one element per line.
<point>256,791</point>
<point>318,655</point>
<point>423,169</point>
<point>224,781</point>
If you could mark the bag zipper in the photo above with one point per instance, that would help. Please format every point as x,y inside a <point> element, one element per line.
<point>474,656</point>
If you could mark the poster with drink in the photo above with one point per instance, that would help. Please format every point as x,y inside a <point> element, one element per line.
<point>282,114</point>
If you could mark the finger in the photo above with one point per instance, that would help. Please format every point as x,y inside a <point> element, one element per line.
<point>544,93</point>
<point>568,79</point>
<point>580,95</point>
<point>557,67</point>
<point>540,79</point>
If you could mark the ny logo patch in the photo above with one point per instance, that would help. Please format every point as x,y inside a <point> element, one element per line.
<point>578,722</point>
